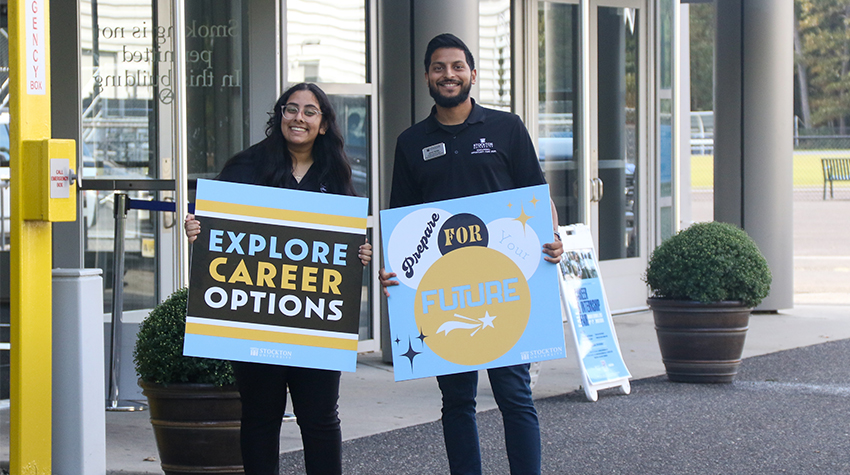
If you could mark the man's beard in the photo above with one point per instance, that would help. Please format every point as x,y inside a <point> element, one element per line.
<point>449,102</point>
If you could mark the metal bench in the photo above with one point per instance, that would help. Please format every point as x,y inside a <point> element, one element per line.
<point>834,169</point>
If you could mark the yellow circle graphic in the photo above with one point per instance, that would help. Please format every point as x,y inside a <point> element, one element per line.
<point>472,305</point>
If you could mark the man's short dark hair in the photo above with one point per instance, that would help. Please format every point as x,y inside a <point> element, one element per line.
<point>447,40</point>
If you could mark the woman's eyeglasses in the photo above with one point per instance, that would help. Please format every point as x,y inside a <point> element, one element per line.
<point>289,112</point>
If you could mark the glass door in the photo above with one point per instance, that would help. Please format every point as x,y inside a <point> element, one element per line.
<point>128,122</point>
<point>590,125</point>
<point>559,118</point>
<point>121,57</point>
<point>618,149</point>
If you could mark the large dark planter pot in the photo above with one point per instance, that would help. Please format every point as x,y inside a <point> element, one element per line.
<point>700,343</point>
<point>196,427</point>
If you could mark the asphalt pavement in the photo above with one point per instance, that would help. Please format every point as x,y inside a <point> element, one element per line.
<point>787,412</point>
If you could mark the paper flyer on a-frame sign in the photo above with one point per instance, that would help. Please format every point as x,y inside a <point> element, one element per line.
<point>586,307</point>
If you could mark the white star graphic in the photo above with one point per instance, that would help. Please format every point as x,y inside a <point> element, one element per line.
<point>486,321</point>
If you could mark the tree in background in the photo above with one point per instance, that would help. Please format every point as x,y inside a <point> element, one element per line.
<point>702,56</point>
<point>801,84</point>
<point>822,61</point>
<point>822,46</point>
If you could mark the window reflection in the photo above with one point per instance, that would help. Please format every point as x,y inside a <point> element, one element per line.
<point>494,54</point>
<point>216,69</point>
<point>126,62</point>
<point>366,332</point>
<point>558,126</point>
<point>119,55</point>
<point>353,115</point>
<point>353,118</point>
<point>127,101</point>
<point>128,81</point>
<point>139,247</point>
<point>664,111</point>
<point>326,41</point>
<point>617,104</point>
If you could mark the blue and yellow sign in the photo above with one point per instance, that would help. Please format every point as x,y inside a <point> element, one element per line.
<point>475,291</point>
<point>275,276</point>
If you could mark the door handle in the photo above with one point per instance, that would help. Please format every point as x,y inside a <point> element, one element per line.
<point>169,219</point>
<point>596,189</point>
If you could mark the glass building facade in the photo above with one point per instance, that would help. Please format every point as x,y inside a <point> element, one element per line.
<point>593,80</point>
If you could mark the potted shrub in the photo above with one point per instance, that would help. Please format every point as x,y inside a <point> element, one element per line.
<point>705,281</point>
<point>194,405</point>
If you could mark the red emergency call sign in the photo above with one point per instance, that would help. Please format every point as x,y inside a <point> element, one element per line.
<point>36,47</point>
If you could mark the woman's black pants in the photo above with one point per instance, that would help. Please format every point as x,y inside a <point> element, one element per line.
<point>314,395</point>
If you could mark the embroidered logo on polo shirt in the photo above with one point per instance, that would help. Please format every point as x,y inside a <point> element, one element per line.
<point>483,146</point>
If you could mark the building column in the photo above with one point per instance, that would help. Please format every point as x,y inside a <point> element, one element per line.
<point>753,152</point>
<point>404,97</point>
<point>430,18</point>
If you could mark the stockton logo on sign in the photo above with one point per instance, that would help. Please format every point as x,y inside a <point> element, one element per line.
<point>475,291</point>
<point>275,276</point>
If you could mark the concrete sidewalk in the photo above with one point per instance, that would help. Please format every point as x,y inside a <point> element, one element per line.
<point>372,403</point>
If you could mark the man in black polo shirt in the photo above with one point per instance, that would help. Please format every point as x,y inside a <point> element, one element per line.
<point>463,149</point>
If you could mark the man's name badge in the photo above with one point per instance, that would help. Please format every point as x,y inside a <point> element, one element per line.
<point>433,151</point>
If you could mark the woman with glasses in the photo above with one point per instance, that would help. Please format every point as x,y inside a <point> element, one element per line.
<point>303,150</point>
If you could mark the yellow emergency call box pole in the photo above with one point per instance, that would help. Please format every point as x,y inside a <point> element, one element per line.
<point>42,191</point>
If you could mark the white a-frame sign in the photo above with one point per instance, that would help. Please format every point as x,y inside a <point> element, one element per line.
<point>586,306</point>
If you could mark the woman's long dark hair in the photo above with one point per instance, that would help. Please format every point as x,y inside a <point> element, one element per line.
<point>329,157</point>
